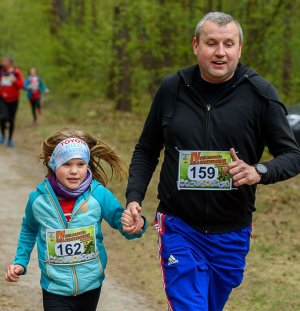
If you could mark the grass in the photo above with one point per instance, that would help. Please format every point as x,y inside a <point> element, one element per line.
<point>272,278</point>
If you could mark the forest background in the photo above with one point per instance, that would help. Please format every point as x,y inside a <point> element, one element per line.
<point>120,50</point>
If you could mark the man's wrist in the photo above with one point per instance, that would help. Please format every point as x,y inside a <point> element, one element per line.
<point>261,170</point>
<point>134,196</point>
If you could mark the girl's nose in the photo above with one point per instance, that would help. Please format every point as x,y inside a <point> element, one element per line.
<point>73,170</point>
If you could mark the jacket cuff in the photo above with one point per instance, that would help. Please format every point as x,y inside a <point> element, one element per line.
<point>21,264</point>
<point>145,225</point>
<point>134,196</point>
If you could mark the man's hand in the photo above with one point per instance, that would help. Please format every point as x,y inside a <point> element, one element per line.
<point>136,224</point>
<point>240,172</point>
<point>13,273</point>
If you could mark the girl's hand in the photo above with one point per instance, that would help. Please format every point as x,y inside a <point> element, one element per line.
<point>130,224</point>
<point>127,221</point>
<point>13,273</point>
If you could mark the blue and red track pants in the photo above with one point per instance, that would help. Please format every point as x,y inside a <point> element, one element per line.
<point>199,270</point>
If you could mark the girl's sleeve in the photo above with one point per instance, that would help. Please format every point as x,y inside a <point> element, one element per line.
<point>43,87</point>
<point>27,237</point>
<point>26,84</point>
<point>112,212</point>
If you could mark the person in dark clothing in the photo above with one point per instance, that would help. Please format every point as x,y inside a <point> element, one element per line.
<point>213,121</point>
<point>11,82</point>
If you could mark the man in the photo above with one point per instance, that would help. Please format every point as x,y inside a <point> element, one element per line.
<point>11,82</point>
<point>213,120</point>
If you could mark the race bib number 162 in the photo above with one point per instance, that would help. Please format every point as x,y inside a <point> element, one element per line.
<point>202,170</point>
<point>71,246</point>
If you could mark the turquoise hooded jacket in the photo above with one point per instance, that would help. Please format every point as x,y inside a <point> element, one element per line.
<point>43,212</point>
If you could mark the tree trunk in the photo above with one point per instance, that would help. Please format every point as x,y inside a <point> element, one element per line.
<point>287,59</point>
<point>58,15</point>
<point>122,80</point>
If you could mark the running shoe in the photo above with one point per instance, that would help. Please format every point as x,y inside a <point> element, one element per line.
<point>2,140</point>
<point>10,143</point>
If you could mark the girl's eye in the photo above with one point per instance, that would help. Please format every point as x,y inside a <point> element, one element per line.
<point>81,164</point>
<point>66,164</point>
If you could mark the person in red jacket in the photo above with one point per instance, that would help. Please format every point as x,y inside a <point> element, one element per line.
<point>11,82</point>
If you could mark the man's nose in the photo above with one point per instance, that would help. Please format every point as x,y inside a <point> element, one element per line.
<point>220,51</point>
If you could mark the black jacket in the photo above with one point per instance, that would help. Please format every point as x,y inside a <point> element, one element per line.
<point>247,118</point>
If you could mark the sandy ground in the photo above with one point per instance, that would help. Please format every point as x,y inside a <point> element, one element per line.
<point>19,176</point>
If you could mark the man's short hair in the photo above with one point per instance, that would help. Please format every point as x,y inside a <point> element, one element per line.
<point>219,18</point>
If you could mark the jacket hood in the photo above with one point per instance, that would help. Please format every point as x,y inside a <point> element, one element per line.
<point>243,74</point>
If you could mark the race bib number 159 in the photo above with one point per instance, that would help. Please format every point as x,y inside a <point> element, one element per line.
<point>202,170</point>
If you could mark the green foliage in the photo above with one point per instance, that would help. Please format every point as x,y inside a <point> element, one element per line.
<point>121,49</point>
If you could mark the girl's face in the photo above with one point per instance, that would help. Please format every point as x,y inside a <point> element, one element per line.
<point>32,72</point>
<point>72,173</point>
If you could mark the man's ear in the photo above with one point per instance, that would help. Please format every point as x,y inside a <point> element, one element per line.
<point>195,44</point>
<point>241,47</point>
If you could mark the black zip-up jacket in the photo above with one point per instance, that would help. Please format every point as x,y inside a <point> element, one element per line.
<point>247,118</point>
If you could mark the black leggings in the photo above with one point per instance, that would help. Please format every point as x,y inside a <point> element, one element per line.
<point>35,105</point>
<point>7,115</point>
<point>85,302</point>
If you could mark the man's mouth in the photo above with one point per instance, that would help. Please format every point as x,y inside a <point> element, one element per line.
<point>219,63</point>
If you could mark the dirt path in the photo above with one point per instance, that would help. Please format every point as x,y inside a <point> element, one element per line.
<point>19,175</point>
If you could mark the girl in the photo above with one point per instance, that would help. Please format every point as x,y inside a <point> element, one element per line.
<point>35,87</point>
<point>64,215</point>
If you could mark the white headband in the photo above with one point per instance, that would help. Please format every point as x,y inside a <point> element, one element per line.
<point>68,149</point>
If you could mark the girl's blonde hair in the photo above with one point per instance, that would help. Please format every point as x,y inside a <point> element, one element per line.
<point>100,154</point>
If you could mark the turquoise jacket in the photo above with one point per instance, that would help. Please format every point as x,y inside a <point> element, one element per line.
<point>43,212</point>
<point>42,88</point>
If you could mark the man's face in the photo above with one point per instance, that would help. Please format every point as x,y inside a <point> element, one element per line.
<point>218,51</point>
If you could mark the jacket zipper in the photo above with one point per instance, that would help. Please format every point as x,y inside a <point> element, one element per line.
<point>208,108</point>
<point>72,216</point>
<point>75,280</point>
<point>73,267</point>
<point>55,205</point>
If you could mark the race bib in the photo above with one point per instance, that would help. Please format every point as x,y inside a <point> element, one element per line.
<point>71,246</point>
<point>202,170</point>
<point>6,81</point>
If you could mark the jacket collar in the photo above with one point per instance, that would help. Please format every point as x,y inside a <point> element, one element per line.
<point>187,74</point>
<point>242,74</point>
